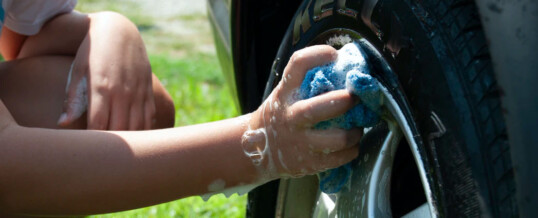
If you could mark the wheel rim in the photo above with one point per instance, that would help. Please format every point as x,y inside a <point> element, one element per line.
<point>368,192</point>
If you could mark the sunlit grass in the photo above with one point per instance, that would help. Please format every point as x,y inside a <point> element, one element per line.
<point>217,206</point>
<point>197,87</point>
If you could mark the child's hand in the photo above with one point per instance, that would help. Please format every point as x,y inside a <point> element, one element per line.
<point>114,60</point>
<point>281,141</point>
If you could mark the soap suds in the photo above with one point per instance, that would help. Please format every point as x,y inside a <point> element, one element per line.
<point>340,40</point>
<point>281,160</point>
<point>79,103</point>
<point>254,143</point>
<point>275,104</point>
<point>216,185</point>
<point>240,190</point>
<point>293,97</point>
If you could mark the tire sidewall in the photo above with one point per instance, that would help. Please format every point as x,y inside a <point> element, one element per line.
<point>425,85</point>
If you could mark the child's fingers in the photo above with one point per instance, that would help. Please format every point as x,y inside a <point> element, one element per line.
<point>136,118</point>
<point>119,114</point>
<point>332,140</point>
<point>149,106</point>
<point>303,60</point>
<point>323,107</point>
<point>336,159</point>
<point>76,102</point>
<point>74,106</point>
<point>98,111</point>
<point>149,114</point>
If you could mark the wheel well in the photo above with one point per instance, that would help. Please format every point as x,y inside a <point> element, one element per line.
<point>257,31</point>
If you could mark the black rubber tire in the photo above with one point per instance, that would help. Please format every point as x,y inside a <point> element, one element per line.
<point>440,55</point>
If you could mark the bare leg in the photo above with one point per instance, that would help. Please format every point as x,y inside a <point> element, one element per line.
<point>33,89</point>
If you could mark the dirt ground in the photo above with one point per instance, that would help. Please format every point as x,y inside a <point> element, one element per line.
<point>173,27</point>
<point>170,8</point>
<point>184,20</point>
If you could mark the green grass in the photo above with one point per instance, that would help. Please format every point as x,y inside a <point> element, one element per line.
<point>197,87</point>
<point>187,66</point>
<point>217,206</point>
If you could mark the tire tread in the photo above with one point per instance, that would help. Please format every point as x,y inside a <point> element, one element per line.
<point>470,47</point>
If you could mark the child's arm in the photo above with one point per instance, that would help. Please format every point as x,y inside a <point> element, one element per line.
<point>10,43</point>
<point>86,172</point>
<point>59,172</point>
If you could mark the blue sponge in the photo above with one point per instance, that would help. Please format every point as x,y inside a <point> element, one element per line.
<point>351,72</point>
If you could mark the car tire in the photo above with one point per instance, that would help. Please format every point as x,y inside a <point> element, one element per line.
<point>439,55</point>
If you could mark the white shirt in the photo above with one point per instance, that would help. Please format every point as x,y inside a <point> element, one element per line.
<point>26,17</point>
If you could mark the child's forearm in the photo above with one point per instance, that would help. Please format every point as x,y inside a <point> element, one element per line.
<point>88,172</point>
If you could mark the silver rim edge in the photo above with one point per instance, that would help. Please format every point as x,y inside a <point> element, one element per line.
<point>368,193</point>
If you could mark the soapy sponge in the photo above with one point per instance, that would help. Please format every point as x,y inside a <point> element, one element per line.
<point>351,72</point>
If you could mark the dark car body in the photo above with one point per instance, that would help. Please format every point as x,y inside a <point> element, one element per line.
<point>248,35</point>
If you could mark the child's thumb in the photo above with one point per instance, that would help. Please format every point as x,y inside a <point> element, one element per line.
<point>76,102</point>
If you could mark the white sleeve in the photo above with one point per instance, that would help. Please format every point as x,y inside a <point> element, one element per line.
<point>28,16</point>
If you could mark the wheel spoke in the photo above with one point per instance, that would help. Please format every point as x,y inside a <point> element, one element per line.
<point>368,192</point>
<point>325,206</point>
<point>297,197</point>
<point>420,212</point>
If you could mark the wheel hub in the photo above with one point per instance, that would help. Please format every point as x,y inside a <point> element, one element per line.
<point>368,193</point>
